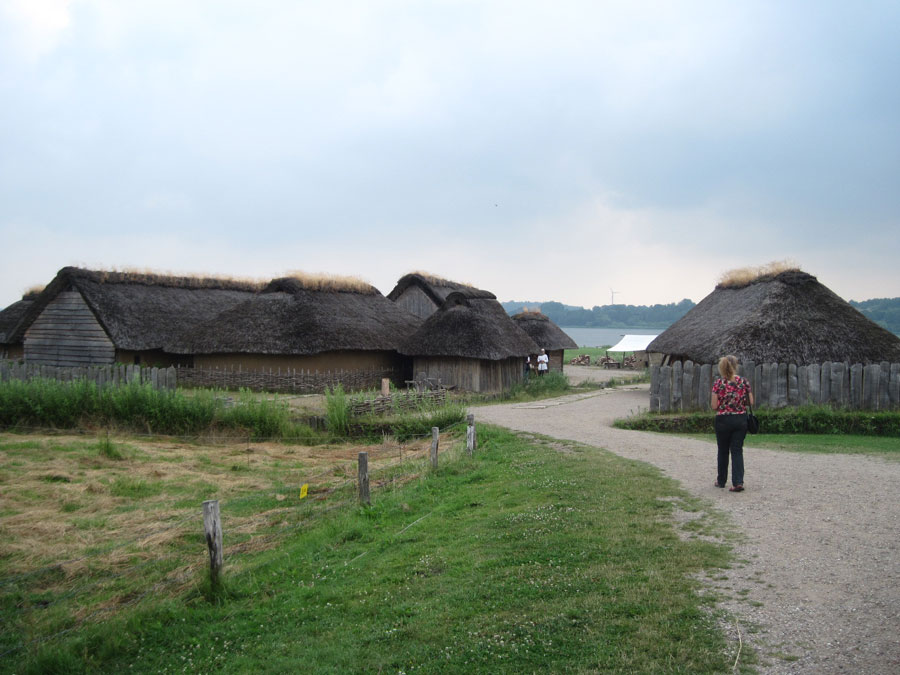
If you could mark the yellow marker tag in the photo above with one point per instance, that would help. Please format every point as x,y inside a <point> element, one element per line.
<point>303,490</point>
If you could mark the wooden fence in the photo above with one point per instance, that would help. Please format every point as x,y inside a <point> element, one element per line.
<point>410,400</point>
<point>286,380</point>
<point>111,376</point>
<point>687,386</point>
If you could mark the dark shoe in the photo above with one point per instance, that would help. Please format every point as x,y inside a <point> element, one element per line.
<point>718,484</point>
<point>736,488</point>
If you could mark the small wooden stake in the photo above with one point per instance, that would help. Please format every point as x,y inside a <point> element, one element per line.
<point>385,386</point>
<point>435,432</point>
<point>364,478</point>
<point>212,526</point>
<point>470,434</point>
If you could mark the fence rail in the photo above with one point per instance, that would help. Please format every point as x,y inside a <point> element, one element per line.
<point>687,386</point>
<point>104,376</point>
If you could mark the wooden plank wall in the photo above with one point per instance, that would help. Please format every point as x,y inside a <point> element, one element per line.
<point>66,333</point>
<point>471,374</point>
<point>686,386</point>
<point>104,376</point>
<point>415,301</point>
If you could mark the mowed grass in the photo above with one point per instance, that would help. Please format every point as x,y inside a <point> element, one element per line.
<point>530,557</point>
<point>831,444</point>
<point>89,525</point>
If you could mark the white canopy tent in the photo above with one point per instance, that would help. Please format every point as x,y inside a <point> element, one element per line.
<point>632,343</point>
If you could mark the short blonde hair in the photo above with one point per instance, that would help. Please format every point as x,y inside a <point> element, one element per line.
<point>728,367</point>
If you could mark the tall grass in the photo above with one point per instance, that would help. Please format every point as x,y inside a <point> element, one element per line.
<point>337,411</point>
<point>82,404</point>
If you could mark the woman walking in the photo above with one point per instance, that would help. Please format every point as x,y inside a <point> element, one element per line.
<point>730,395</point>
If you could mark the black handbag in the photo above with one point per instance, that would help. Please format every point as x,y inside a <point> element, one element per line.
<point>752,421</point>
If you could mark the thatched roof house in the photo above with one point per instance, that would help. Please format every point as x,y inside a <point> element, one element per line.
<point>298,324</point>
<point>470,343</point>
<point>785,316</point>
<point>88,317</point>
<point>546,335</point>
<point>423,294</point>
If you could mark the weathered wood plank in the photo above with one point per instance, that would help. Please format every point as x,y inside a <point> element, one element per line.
<point>677,384</point>
<point>802,386</point>
<point>871,374</point>
<point>855,393</point>
<point>825,383</point>
<point>665,388</point>
<point>793,385</point>
<point>705,386</point>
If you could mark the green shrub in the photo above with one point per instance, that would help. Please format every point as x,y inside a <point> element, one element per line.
<point>804,420</point>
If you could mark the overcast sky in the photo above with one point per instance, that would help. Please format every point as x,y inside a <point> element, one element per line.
<point>540,150</point>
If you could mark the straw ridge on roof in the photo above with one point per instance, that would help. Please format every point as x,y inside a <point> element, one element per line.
<point>787,318</point>
<point>182,315</point>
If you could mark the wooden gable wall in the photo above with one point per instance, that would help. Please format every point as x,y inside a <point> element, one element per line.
<point>415,301</point>
<point>67,333</point>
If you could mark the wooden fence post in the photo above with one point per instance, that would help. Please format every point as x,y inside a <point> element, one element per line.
<point>470,434</point>
<point>364,497</point>
<point>435,432</point>
<point>212,526</point>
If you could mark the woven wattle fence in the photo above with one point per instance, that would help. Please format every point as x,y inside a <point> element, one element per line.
<point>686,386</point>
<point>285,380</point>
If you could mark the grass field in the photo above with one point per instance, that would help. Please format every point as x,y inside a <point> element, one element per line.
<point>843,444</point>
<point>530,557</point>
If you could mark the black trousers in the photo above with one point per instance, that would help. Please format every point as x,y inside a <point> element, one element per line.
<point>730,433</point>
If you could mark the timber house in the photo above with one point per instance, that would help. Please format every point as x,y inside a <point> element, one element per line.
<point>546,335</point>
<point>777,316</point>
<point>470,343</point>
<point>86,317</point>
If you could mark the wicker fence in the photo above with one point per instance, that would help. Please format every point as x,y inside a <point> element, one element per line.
<point>776,385</point>
<point>104,376</point>
<point>287,380</point>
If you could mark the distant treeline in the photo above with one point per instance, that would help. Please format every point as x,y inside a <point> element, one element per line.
<point>883,311</point>
<point>607,316</point>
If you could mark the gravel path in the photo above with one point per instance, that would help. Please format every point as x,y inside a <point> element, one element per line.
<point>817,588</point>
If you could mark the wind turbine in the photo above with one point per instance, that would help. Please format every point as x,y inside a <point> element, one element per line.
<point>612,296</point>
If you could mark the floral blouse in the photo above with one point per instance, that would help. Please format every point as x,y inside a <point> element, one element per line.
<point>732,395</point>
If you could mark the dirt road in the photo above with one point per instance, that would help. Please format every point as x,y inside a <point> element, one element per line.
<point>818,586</point>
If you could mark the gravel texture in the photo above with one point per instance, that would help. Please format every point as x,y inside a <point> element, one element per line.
<point>816,588</point>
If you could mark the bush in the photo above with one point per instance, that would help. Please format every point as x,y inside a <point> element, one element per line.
<point>805,420</point>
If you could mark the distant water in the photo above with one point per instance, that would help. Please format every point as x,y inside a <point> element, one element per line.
<point>598,337</point>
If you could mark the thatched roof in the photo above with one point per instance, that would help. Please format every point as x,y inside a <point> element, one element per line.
<point>10,318</point>
<point>287,318</point>
<point>436,288</point>
<point>142,311</point>
<point>546,334</point>
<point>472,326</point>
<point>291,315</point>
<point>788,317</point>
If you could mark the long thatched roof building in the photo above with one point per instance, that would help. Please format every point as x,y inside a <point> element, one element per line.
<point>88,317</point>
<point>470,343</point>
<point>784,316</point>
<point>546,335</point>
